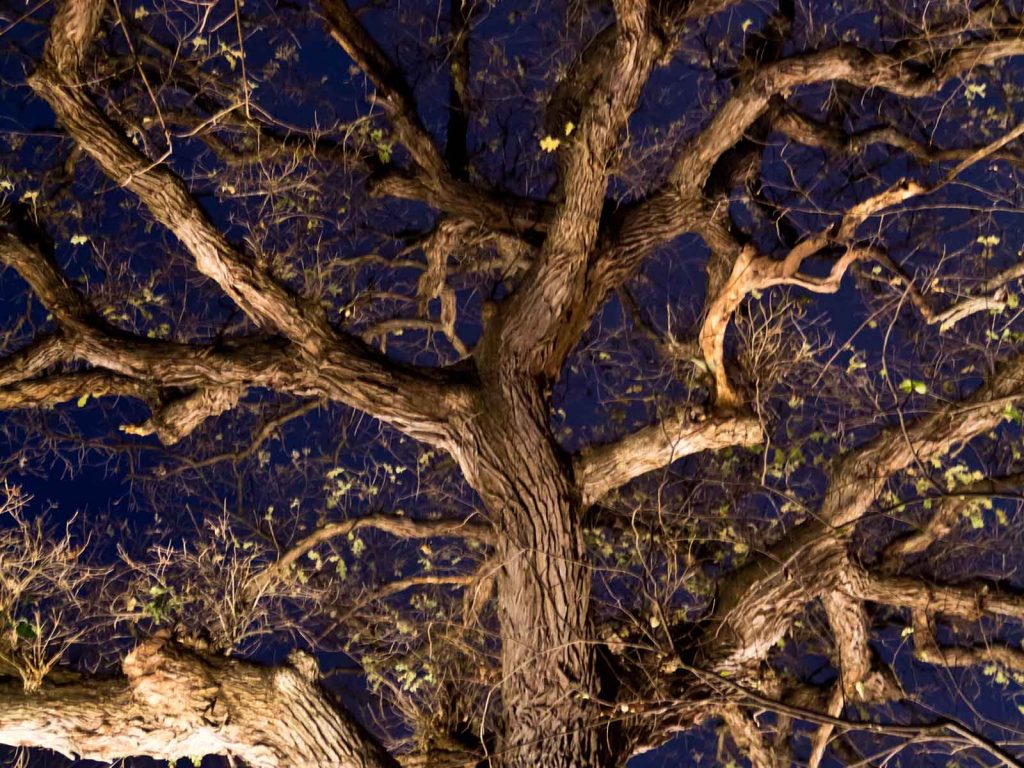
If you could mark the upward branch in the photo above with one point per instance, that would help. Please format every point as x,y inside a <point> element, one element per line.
<point>524,334</point>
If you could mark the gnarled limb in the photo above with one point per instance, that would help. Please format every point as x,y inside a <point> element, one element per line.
<point>33,359</point>
<point>966,602</point>
<point>171,702</point>
<point>752,272</point>
<point>49,391</point>
<point>678,206</point>
<point>177,419</point>
<point>763,596</point>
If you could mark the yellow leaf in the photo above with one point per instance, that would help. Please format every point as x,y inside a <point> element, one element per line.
<point>549,143</point>
<point>569,128</point>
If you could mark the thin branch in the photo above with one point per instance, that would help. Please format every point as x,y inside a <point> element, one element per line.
<point>399,527</point>
<point>938,730</point>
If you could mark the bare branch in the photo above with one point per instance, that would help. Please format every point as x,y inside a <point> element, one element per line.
<point>748,738</point>
<point>418,404</point>
<point>163,193</point>
<point>948,510</point>
<point>678,206</point>
<point>54,389</point>
<point>399,527</point>
<point>927,649</point>
<point>393,94</point>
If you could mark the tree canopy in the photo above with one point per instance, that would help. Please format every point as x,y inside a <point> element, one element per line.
<point>454,383</point>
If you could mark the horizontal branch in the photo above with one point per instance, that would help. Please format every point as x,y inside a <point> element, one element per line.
<point>179,418</point>
<point>927,649</point>
<point>172,703</point>
<point>971,602</point>
<point>601,469</point>
<point>55,389</point>
<point>812,133</point>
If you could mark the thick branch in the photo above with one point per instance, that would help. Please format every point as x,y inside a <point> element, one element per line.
<point>173,703</point>
<point>678,206</point>
<point>757,603</point>
<point>55,389</point>
<point>163,193</point>
<point>601,469</point>
<point>526,329</point>
<point>354,373</point>
<point>965,602</point>
<point>753,272</point>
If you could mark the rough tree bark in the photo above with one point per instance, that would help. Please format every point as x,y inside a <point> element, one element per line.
<point>172,702</point>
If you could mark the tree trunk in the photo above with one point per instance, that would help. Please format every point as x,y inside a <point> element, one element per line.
<point>549,678</point>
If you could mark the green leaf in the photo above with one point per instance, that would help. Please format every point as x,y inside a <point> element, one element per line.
<point>910,385</point>
<point>25,631</point>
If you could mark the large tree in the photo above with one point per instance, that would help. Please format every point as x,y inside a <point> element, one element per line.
<point>582,372</point>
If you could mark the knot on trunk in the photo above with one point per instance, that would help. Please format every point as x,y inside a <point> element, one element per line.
<point>166,677</point>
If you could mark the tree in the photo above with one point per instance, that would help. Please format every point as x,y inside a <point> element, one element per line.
<point>440,389</point>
